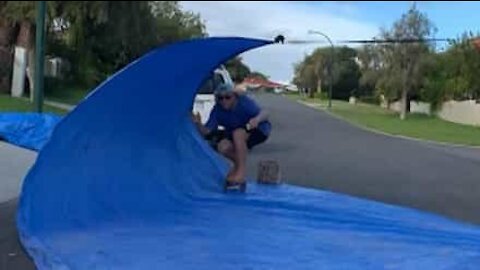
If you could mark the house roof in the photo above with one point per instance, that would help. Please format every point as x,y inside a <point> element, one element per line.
<point>259,82</point>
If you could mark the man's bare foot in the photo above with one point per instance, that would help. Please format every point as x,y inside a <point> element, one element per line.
<point>235,177</point>
<point>233,186</point>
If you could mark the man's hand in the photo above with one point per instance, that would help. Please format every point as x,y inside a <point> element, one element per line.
<point>253,123</point>
<point>196,118</point>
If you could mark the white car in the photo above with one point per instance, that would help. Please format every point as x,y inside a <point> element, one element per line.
<point>205,98</point>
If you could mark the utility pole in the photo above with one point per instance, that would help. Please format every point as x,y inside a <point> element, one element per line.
<point>39,55</point>
<point>332,60</point>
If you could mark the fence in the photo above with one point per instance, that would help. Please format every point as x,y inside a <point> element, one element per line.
<point>463,112</point>
<point>415,107</point>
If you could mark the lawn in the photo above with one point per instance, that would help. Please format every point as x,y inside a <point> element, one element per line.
<point>65,93</point>
<point>416,125</point>
<point>10,104</point>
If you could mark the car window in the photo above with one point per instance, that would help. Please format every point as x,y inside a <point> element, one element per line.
<point>211,84</point>
<point>207,87</point>
<point>218,79</point>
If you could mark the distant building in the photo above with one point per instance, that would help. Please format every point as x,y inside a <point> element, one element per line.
<point>254,83</point>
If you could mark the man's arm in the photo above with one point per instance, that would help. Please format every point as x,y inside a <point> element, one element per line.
<point>262,116</point>
<point>254,109</point>
<point>255,121</point>
<point>203,129</point>
<point>198,122</point>
<point>211,125</point>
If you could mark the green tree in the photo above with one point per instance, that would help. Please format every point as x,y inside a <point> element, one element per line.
<point>258,74</point>
<point>370,67</point>
<point>405,59</point>
<point>237,69</point>
<point>78,33</point>
<point>306,75</point>
<point>100,37</point>
<point>453,74</point>
<point>465,67</point>
<point>16,27</point>
<point>346,73</point>
<point>175,24</point>
<point>97,37</point>
<point>312,72</point>
<point>437,80</point>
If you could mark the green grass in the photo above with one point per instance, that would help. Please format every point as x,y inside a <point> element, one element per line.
<point>415,126</point>
<point>71,95</point>
<point>10,104</point>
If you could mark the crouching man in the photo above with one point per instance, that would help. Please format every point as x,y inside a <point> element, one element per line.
<point>245,126</point>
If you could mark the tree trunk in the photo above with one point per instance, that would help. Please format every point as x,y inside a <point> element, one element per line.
<point>5,69</point>
<point>403,103</point>
<point>25,39</point>
<point>25,35</point>
<point>409,98</point>
<point>319,86</point>
<point>405,91</point>
<point>6,54</point>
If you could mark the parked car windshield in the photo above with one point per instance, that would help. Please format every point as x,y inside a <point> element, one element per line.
<point>209,86</point>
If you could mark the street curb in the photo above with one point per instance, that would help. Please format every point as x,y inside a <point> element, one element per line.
<point>59,105</point>
<point>388,134</point>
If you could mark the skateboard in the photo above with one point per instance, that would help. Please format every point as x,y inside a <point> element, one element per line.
<point>235,186</point>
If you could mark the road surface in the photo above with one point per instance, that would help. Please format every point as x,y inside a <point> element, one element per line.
<point>14,164</point>
<point>317,150</point>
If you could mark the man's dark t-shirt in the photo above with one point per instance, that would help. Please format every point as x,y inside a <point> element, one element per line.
<point>238,117</point>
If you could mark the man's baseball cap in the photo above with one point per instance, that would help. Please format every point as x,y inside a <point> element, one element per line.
<point>224,88</point>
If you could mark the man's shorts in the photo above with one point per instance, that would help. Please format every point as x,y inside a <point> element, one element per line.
<point>255,137</point>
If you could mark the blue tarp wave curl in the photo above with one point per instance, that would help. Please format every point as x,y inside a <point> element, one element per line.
<point>126,182</point>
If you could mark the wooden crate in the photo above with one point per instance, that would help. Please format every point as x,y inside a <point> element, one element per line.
<point>268,172</point>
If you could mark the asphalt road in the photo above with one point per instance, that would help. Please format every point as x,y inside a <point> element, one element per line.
<point>317,150</point>
<point>14,164</point>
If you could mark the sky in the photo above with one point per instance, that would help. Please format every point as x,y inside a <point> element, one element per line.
<point>339,20</point>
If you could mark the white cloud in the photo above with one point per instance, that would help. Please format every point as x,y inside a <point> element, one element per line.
<point>268,19</point>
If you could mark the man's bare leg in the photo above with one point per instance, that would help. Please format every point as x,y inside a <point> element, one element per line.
<point>240,137</point>
<point>229,150</point>
<point>225,147</point>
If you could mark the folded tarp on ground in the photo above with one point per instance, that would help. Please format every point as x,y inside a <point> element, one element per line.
<point>126,182</point>
<point>28,130</point>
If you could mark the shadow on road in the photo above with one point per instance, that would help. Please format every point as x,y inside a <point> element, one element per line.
<point>12,254</point>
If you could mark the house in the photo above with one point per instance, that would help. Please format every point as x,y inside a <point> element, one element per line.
<point>260,84</point>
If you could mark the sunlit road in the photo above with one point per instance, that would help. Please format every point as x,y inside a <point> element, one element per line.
<point>318,150</point>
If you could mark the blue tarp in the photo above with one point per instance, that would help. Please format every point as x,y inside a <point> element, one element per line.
<point>28,130</point>
<point>126,182</point>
